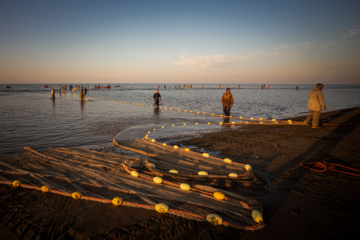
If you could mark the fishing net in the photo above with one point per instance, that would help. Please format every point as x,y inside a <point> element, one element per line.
<point>99,176</point>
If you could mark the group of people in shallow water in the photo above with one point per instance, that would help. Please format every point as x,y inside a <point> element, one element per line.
<point>315,104</point>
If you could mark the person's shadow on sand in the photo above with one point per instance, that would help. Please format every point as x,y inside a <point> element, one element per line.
<point>320,200</point>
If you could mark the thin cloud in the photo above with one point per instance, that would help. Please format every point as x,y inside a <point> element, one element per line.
<point>352,33</point>
<point>283,47</point>
<point>208,61</point>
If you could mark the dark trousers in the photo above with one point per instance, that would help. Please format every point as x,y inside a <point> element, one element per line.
<point>226,111</point>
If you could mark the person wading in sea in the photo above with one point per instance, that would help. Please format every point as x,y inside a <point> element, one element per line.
<point>227,102</point>
<point>156,98</point>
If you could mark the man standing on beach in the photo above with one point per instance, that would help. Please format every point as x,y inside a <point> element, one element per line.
<point>316,102</point>
<point>156,98</point>
<point>227,102</point>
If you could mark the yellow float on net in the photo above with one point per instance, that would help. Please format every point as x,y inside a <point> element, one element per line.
<point>206,155</point>
<point>185,187</point>
<point>117,201</point>
<point>214,219</point>
<point>260,119</point>
<point>173,171</point>
<point>161,208</point>
<point>212,114</point>
<point>202,173</point>
<point>274,120</point>
<point>164,144</point>
<point>76,195</point>
<point>233,122</point>
<point>221,115</point>
<point>257,216</point>
<point>220,123</point>
<point>247,167</point>
<point>157,180</point>
<point>173,125</point>
<point>162,127</point>
<point>45,189</point>
<point>134,173</point>
<point>153,140</point>
<point>219,195</point>
<point>233,175</point>
<point>209,123</point>
<point>196,123</point>
<point>227,160</point>
<point>176,147</point>
<point>16,183</point>
<point>184,124</point>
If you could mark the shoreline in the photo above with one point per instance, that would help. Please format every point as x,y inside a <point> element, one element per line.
<point>297,202</point>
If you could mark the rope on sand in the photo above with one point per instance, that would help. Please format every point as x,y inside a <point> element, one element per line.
<point>325,166</point>
<point>117,201</point>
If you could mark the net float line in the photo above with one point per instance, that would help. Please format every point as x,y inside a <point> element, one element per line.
<point>263,121</point>
<point>180,213</point>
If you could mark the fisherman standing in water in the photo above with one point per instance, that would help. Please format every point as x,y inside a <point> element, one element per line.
<point>227,102</point>
<point>53,92</point>
<point>81,94</point>
<point>156,98</point>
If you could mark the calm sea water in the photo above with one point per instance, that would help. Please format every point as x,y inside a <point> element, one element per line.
<point>29,117</point>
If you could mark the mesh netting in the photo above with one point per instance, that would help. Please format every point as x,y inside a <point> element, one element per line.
<point>102,176</point>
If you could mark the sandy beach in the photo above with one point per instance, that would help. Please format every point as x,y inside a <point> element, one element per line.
<point>298,203</point>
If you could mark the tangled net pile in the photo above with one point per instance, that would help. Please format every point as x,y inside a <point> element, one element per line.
<point>104,177</point>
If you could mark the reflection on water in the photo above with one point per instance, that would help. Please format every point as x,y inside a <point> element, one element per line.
<point>156,110</point>
<point>30,117</point>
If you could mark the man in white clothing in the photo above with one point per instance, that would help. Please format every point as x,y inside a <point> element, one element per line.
<point>316,102</point>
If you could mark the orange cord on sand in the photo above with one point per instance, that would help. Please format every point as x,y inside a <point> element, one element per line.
<point>338,124</point>
<point>324,166</point>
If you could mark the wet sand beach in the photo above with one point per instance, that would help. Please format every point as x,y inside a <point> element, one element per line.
<point>298,203</point>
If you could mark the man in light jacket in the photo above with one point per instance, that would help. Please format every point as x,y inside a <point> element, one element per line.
<point>316,102</point>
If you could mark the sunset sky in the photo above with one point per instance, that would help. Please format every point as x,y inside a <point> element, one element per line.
<point>197,41</point>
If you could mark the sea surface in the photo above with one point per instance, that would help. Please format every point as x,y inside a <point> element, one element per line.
<point>29,117</point>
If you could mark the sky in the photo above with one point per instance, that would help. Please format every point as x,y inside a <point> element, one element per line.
<point>197,41</point>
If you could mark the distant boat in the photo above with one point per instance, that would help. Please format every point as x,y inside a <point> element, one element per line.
<point>46,86</point>
<point>7,86</point>
<point>116,86</point>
